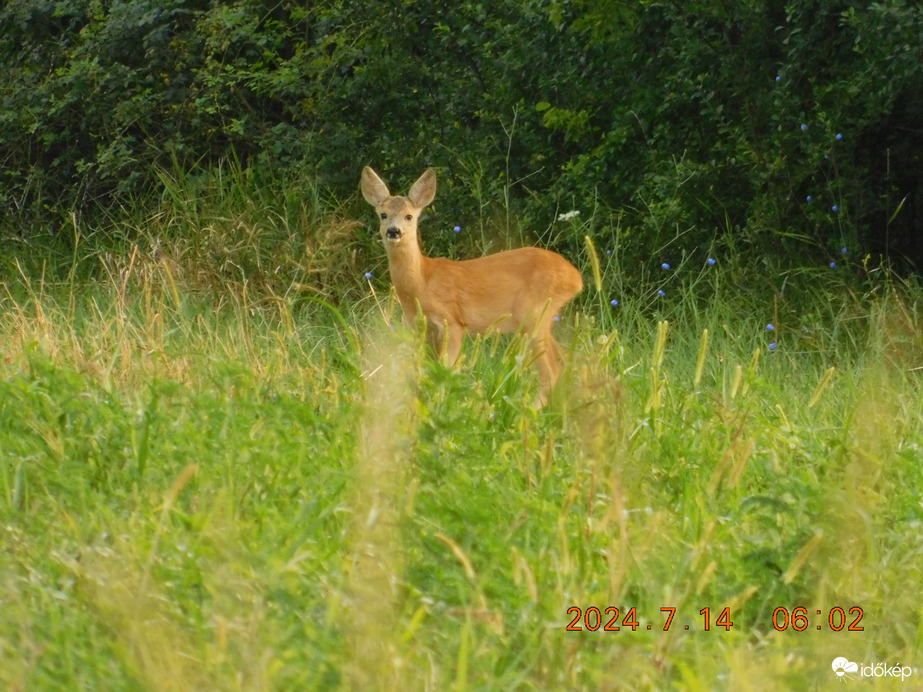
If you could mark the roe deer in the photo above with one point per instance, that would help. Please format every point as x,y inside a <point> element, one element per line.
<point>516,290</point>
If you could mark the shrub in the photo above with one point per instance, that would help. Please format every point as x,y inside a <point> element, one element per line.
<point>692,119</point>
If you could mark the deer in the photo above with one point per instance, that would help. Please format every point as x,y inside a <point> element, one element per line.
<point>520,290</point>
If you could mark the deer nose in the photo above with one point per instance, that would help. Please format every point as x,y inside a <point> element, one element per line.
<point>394,232</point>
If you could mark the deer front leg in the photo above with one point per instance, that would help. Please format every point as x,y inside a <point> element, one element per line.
<point>408,316</point>
<point>446,340</point>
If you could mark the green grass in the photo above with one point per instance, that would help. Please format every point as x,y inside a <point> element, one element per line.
<point>225,484</point>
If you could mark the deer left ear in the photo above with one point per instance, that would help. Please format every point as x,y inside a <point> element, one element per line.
<point>373,188</point>
<point>424,190</point>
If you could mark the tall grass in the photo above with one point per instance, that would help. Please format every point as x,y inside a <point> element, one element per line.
<point>216,474</point>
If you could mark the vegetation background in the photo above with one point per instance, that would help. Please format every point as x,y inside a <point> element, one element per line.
<point>221,469</point>
<point>715,119</point>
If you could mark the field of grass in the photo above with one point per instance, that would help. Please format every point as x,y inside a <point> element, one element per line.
<point>229,486</point>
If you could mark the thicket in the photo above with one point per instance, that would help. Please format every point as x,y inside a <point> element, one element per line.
<point>791,127</point>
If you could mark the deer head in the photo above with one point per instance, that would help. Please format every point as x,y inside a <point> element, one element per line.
<point>398,215</point>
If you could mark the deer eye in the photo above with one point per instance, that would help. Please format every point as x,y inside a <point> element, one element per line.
<point>409,217</point>
<point>383,216</point>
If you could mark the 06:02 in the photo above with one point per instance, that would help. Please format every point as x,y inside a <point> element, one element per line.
<point>836,619</point>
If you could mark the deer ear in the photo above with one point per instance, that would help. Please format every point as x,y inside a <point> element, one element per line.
<point>373,189</point>
<point>424,190</point>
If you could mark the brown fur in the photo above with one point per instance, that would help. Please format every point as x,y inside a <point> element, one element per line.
<point>516,290</point>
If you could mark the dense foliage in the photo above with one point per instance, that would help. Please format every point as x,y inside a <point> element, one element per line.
<point>706,118</point>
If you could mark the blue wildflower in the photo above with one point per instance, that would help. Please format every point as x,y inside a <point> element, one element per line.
<point>835,209</point>
<point>778,78</point>
<point>664,266</point>
<point>809,198</point>
<point>839,136</point>
<point>557,318</point>
<point>770,327</point>
<point>772,346</point>
<point>844,250</point>
<point>661,293</point>
<point>614,303</point>
<point>368,275</point>
<point>457,229</point>
<point>833,265</point>
<point>804,127</point>
<point>711,260</point>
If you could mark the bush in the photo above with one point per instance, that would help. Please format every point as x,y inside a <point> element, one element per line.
<point>686,119</point>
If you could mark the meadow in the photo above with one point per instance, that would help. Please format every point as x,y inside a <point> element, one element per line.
<point>221,472</point>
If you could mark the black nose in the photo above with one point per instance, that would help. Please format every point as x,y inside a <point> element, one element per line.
<point>393,233</point>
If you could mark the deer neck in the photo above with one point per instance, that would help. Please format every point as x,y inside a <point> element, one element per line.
<point>405,264</point>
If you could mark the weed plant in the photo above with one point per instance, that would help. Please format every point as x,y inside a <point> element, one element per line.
<point>222,467</point>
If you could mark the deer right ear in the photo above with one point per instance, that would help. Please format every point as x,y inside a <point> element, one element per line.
<point>373,189</point>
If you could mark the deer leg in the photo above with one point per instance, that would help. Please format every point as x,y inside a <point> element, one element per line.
<point>446,340</point>
<point>548,363</point>
<point>453,343</point>
<point>435,337</point>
